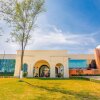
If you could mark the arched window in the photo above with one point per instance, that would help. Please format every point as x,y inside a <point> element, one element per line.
<point>25,67</point>
<point>59,70</point>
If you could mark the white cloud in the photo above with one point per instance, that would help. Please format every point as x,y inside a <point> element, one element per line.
<point>52,39</point>
<point>98,47</point>
<point>58,38</point>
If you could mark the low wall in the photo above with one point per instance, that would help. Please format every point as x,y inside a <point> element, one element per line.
<point>84,72</point>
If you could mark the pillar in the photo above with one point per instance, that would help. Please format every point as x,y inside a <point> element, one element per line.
<point>97,57</point>
<point>30,71</point>
<point>52,71</point>
<point>17,67</point>
<point>66,68</point>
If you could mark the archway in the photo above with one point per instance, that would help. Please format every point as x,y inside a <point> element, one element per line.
<point>41,69</point>
<point>59,70</point>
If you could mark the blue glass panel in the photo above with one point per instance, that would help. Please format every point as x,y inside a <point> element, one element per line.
<point>73,63</point>
<point>7,65</point>
<point>25,67</point>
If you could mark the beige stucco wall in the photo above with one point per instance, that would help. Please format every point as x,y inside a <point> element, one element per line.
<point>53,57</point>
<point>81,56</point>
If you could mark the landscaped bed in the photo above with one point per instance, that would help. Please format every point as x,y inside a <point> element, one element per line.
<point>49,89</point>
<point>6,74</point>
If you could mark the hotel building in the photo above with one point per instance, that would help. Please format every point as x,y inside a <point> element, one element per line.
<point>49,63</point>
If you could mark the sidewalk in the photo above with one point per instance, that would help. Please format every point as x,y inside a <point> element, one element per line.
<point>92,77</point>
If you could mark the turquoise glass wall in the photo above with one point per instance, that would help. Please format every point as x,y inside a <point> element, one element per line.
<point>25,66</point>
<point>7,65</point>
<point>73,64</point>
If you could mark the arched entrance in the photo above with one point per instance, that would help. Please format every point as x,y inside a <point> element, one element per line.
<point>41,69</point>
<point>59,70</point>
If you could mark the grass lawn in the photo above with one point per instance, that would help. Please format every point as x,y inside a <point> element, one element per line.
<point>49,89</point>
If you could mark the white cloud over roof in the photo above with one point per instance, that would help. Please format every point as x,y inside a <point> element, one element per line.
<point>50,39</point>
<point>98,47</point>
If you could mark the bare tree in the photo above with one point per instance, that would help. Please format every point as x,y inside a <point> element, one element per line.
<point>21,15</point>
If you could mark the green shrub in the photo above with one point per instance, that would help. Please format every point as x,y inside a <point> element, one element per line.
<point>6,73</point>
<point>59,75</point>
<point>25,74</point>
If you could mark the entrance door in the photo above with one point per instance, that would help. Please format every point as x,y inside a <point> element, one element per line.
<point>44,71</point>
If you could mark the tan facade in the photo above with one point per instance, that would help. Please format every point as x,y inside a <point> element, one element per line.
<point>57,61</point>
<point>97,57</point>
<point>51,58</point>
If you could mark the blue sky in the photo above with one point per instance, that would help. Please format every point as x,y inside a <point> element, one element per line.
<point>74,15</point>
<point>72,25</point>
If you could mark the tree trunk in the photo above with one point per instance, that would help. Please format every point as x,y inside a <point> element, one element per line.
<point>21,66</point>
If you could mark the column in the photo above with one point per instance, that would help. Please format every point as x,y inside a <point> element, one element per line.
<point>97,57</point>
<point>52,71</point>
<point>66,68</point>
<point>30,70</point>
<point>17,67</point>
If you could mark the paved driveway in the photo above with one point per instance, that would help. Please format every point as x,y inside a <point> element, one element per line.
<point>92,77</point>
